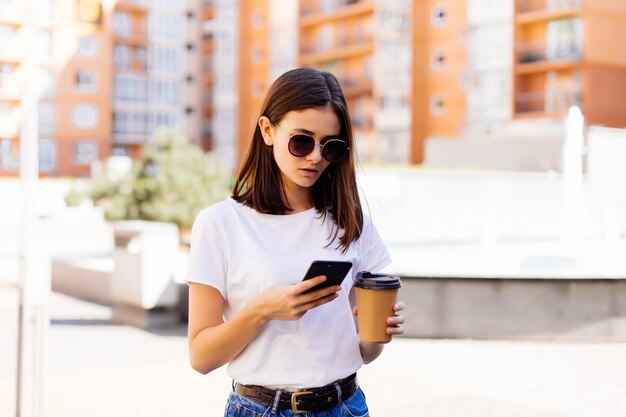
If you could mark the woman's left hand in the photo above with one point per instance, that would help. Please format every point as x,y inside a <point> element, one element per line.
<point>396,321</point>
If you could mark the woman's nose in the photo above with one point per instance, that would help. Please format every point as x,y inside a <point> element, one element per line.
<point>316,154</point>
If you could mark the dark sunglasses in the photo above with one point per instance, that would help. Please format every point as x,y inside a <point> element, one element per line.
<point>332,150</point>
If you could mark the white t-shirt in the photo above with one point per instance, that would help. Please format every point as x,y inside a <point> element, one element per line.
<point>242,252</point>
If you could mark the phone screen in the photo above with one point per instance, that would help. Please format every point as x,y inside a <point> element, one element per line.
<point>335,272</point>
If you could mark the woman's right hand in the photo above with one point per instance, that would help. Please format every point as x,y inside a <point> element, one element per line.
<point>286,302</point>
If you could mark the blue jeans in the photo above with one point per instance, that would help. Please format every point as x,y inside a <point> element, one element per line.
<point>238,406</point>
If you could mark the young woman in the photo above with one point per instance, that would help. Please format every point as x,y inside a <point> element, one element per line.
<point>295,200</point>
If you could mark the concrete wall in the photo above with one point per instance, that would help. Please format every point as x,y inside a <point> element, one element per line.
<point>515,309</point>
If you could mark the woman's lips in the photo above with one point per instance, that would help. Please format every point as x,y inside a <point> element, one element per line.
<point>309,172</point>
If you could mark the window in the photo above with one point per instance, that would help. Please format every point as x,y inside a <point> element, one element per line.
<point>88,46</point>
<point>167,27</point>
<point>6,33</point>
<point>207,128</point>
<point>85,80</point>
<point>122,23</point>
<point>438,15</point>
<point>257,19</point>
<point>6,153</point>
<point>44,11</point>
<point>121,55</point>
<point>437,60</point>
<point>164,92</point>
<point>130,122</point>
<point>437,105</point>
<point>257,55</point>
<point>49,81</point>
<point>257,89</point>
<point>324,38</point>
<point>85,152</point>
<point>47,117</point>
<point>47,155</point>
<point>5,72</point>
<point>165,59</point>
<point>85,116</point>
<point>141,55</point>
<point>119,151</point>
<point>5,109</point>
<point>129,88</point>
<point>43,43</point>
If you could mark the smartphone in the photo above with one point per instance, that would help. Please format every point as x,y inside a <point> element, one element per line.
<point>335,272</point>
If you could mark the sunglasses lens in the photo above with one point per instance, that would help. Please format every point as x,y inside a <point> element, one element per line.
<point>334,150</point>
<point>301,145</point>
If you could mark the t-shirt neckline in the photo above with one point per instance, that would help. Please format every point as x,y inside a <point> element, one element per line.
<point>291,216</point>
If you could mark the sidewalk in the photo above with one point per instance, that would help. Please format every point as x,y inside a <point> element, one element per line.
<point>96,369</point>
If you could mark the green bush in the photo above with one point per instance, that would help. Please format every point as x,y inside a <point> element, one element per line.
<point>171,182</point>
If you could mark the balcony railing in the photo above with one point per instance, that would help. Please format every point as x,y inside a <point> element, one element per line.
<point>328,7</point>
<point>355,85</point>
<point>353,40</point>
<point>542,51</point>
<point>530,6</point>
<point>546,102</point>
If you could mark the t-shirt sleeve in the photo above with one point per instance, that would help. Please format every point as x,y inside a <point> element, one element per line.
<point>373,255</point>
<point>207,260</point>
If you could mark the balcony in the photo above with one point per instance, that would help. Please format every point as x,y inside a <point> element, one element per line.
<point>127,138</point>
<point>539,57</point>
<point>135,7</point>
<point>12,80</point>
<point>348,47</point>
<point>552,103</point>
<point>208,45</point>
<point>208,10</point>
<point>534,10</point>
<point>207,110</point>
<point>13,14</point>
<point>208,78</point>
<point>355,86</point>
<point>10,123</point>
<point>133,38</point>
<point>344,10</point>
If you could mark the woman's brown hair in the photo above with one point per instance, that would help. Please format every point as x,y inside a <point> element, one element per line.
<point>259,182</point>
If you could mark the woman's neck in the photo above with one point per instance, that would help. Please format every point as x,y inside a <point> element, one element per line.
<point>299,199</point>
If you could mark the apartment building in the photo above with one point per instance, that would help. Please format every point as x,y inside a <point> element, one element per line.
<point>413,70</point>
<point>112,72</point>
<point>220,34</point>
<point>204,24</point>
<point>157,71</point>
<point>570,52</point>
<point>338,36</point>
<point>248,44</point>
<point>52,49</point>
<point>488,68</point>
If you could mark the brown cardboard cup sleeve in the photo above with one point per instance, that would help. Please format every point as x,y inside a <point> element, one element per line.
<point>376,294</point>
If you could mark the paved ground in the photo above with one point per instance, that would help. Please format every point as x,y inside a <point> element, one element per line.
<point>96,369</point>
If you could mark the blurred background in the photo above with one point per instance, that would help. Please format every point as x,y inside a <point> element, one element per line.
<point>491,138</point>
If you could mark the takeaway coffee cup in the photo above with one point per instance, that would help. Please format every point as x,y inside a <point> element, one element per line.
<point>376,295</point>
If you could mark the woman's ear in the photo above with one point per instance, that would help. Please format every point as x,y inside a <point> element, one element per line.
<point>266,130</point>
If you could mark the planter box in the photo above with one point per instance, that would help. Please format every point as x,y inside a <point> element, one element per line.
<point>145,256</point>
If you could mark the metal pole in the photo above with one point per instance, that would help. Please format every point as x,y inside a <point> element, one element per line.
<point>34,265</point>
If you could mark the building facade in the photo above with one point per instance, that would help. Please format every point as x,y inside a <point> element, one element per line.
<point>111,73</point>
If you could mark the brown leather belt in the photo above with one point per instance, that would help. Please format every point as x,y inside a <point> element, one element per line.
<point>311,399</point>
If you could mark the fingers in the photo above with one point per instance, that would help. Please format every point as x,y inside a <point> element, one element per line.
<point>319,301</point>
<point>307,284</point>
<point>395,322</point>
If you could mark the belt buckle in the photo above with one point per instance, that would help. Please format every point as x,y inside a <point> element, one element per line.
<point>294,402</point>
